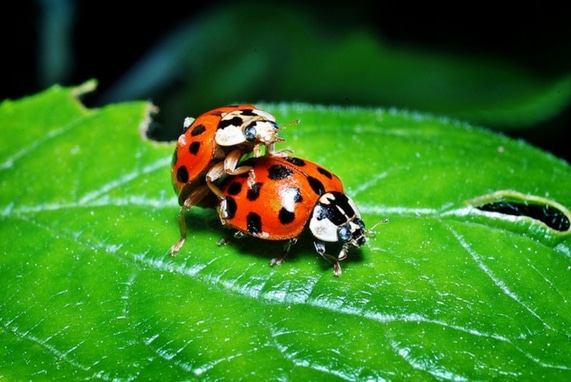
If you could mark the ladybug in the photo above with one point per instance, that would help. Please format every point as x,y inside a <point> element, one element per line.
<point>210,147</point>
<point>287,195</point>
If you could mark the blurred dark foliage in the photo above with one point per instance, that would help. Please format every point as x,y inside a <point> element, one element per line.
<point>109,37</point>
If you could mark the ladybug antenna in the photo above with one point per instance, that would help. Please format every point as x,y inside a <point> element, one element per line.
<point>282,152</point>
<point>294,122</point>
<point>371,231</point>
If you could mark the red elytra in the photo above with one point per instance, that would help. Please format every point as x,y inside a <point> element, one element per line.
<point>210,147</point>
<point>281,196</point>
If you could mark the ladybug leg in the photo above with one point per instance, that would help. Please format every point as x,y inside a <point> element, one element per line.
<point>239,235</point>
<point>271,150</point>
<point>258,152</point>
<point>226,241</point>
<point>192,199</point>
<point>251,179</point>
<point>215,173</point>
<point>231,163</point>
<point>227,167</point>
<point>271,146</point>
<point>223,241</point>
<point>320,248</point>
<point>182,226</point>
<point>280,259</point>
<point>343,252</point>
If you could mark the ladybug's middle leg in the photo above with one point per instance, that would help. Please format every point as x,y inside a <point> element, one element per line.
<point>231,166</point>
<point>280,259</point>
<point>228,167</point>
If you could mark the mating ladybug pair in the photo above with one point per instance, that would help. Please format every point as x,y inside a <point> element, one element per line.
<point>271,196</point>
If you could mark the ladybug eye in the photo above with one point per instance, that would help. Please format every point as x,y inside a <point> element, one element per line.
<point>344,233</point>
<point>250,132</point>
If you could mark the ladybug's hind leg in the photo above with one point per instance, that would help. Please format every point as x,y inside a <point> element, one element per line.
<point>320,248</point>
<point>280,259</point>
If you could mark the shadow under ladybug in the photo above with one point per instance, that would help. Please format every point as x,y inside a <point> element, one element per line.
<point>274,251</point>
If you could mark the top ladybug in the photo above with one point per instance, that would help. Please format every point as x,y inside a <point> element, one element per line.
<point>212,146</point>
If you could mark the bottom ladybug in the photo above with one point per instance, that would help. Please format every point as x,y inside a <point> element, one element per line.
<point>284,194</point>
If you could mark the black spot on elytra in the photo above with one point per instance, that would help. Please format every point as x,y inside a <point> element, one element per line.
<point>286,216</point>
<point>254,192</point>
<point>198,130</point>
<point>290,196</point>
<point>295,161</point>
<point>182,174</point>
<point>236,121</point>
<point>254,223</point>
<point>316,185</point>
<point>231,207</point>
<point>194,147</point>
<point>234,188</point>
<point>324,172</point>
<point>278,172</point>
<point>248,112</point>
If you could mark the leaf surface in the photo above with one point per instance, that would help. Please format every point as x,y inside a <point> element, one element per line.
<point>446,289</point>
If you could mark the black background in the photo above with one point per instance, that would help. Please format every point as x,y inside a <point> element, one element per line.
<point>108,37</point>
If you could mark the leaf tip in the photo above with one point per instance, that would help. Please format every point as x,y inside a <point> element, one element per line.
<point>150,111</point>
<point>86,87</point>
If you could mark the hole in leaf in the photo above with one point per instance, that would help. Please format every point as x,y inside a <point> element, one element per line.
<point>513,203</point>
<point>549,215</point>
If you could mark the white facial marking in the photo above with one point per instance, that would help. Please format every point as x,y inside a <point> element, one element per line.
<point>265,115</point>
<point>323,229</point>
<point>230,136</point>
<point>266,132</point>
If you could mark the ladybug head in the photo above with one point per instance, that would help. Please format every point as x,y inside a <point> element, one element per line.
<point>262,131</point>
<point>335,218</point>
<point>250,127</point>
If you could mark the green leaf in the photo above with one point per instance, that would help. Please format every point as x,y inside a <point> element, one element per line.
<point>462,283</point>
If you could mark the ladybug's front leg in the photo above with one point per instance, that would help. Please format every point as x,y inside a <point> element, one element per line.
<point>320,248</point>
<point>231,163</point>
<point>271,150</point>
<point>258,151</point>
